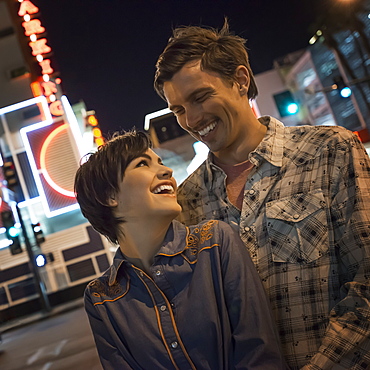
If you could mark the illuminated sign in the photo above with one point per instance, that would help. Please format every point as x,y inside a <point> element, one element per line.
<point>33,29</point>
<point>53,152</point>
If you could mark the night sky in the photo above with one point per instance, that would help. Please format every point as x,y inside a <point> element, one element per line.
<point>105,50</point>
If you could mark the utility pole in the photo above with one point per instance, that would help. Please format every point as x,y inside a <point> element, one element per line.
<point>40,286</point>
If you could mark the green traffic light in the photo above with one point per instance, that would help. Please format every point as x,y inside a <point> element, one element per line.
<point>14,231</point>
<point>292,108</point>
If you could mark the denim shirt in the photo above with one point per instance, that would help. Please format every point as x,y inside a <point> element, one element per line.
<point>202,306</point>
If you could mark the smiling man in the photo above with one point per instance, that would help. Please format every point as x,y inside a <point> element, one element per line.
<point>298,196</point>
<point>175,297</point>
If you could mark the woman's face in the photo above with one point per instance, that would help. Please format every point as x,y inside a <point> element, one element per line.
<point>147,190</point>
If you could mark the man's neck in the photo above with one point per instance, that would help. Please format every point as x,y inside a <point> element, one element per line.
<point>239,151</point>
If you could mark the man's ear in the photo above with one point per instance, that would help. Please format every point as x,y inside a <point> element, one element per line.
<point>242,78</point>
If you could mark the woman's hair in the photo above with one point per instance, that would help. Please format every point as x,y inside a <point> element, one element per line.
<point>100,176</point>
<point>217,51</point>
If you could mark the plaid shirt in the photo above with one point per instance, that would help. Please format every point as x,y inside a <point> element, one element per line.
<point>306,223</point>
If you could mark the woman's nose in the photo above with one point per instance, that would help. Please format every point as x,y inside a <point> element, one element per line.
<point>165,172</point>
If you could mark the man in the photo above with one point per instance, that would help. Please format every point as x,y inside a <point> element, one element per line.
<point>299,196</point>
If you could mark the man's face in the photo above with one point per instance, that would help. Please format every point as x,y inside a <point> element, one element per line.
<point>206,106</point>
<point>147,190</point>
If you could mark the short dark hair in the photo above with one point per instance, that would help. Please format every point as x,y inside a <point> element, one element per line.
<point>99,178</point>
<point>218,51</point>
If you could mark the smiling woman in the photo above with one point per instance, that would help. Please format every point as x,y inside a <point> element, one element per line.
<point>163,272</point>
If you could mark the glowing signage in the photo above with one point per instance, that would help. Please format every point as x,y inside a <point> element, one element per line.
<point>39,48</point>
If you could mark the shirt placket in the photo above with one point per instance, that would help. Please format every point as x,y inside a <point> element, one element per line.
<point>256,191</point>
<point>165,317</point>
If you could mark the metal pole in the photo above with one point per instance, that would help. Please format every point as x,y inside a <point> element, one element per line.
<point>40,286</point>
<point>353,98</point>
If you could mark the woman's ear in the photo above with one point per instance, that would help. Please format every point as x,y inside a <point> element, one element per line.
<point>112,202</point>
<point>242,78</point>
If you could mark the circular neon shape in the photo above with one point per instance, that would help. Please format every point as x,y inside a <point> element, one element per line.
<point>44,148</point>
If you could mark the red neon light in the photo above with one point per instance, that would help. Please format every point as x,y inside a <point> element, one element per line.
<point>39,47</point>
<point>46,68</point>
<point>33,27</point>
<point>27,7</point>
<point>56,108</point>
<point>43,151</point>
<point>49,88</point>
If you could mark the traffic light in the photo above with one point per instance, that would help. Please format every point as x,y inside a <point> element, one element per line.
<point>40,260</point>
<point>11,231</point>
<point>38,233</point>
<point>10,175</point>
<point>93,122</point>
<point>341,86</point>
<point>286,103</point>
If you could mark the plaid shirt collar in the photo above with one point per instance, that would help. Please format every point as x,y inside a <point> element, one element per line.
<point>269,149</point>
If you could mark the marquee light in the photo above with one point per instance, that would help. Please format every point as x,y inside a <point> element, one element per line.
<point>40,101</point>
<point>75,127</point>
<point>153,115</point>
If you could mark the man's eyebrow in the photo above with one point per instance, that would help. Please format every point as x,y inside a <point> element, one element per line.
<point>192,95</point>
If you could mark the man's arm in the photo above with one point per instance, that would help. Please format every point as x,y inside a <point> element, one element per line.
<point>255,340</point>
<point>346,344</point>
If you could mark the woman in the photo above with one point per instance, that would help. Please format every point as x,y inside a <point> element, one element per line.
<point>175,297</point>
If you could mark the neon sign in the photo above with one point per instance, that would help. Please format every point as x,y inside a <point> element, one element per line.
<point>39,48</point>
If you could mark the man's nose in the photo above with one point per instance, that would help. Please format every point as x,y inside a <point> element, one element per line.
<point>192,118</point>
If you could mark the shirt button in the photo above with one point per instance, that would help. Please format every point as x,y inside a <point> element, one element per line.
<point>296,216</point>
<point>247,228</point>
<point>163,308</point>
<point>158,272</point>
<point>251,192</point>
<point>141,273</point>
<point>174,344</point>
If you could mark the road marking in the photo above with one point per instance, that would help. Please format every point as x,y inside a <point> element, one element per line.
<point>51,351</point>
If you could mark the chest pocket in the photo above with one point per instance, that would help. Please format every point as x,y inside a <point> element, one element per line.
<point>297,228</point>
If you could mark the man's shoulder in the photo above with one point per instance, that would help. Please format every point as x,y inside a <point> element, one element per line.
<point>321,134</point>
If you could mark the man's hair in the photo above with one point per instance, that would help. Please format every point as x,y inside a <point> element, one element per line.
<point>218,51</point>
<point>100,176</point>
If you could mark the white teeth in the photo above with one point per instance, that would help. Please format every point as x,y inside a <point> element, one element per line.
<point>206,130</point>
<point>163,187</point>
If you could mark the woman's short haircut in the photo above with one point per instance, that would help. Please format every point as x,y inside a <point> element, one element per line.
<point>218,51</point>
<point>99,178</point>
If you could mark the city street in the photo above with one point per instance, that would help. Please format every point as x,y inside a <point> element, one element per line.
<point>60,342</point>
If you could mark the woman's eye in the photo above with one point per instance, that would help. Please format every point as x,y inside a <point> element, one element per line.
<point>142,163</point>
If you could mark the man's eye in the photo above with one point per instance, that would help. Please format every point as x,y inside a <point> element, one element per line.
<point>178,112</point>
<point>201,98</point>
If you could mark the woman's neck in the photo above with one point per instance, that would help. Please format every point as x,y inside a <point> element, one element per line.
<point>140,244</point>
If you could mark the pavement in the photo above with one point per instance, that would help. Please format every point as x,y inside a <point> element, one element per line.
<point>41,315</point>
